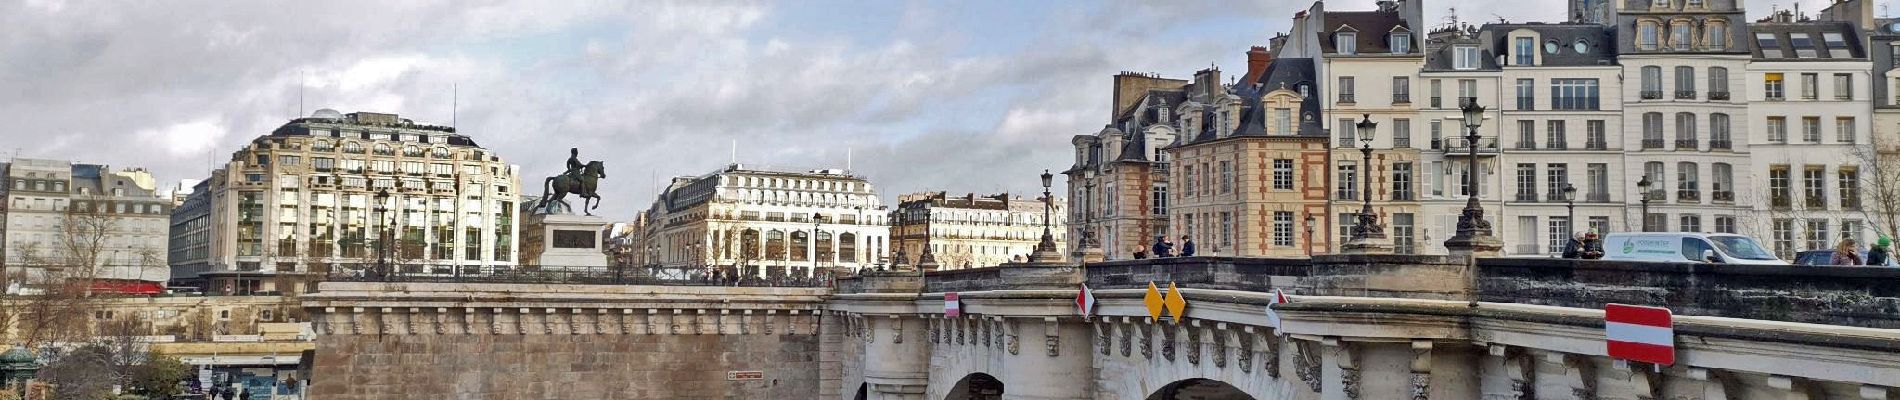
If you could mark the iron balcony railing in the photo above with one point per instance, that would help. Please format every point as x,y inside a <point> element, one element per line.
<point>1688,195</point>
<point>1686,144</point>
<point>1721,144</point>
<point>1652,94</point>
<point>1685,95</point>
<point>1722,196</point>
<point>1718,95</point>
<point>1596,145</point>
<point>1652,143</point>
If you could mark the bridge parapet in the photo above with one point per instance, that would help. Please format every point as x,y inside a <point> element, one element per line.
<point>1832,295</point>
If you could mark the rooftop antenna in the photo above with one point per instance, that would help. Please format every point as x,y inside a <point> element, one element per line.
<point>302,80</point>
<point>847,158</point>
<point>735,151</point>
<point>455,104</point>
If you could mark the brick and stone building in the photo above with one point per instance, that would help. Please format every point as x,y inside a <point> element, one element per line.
<point>766,222</point>
<point>1119,184</point>
<point>55,209</point>
<point>972,231</point>
<point>317,195</point>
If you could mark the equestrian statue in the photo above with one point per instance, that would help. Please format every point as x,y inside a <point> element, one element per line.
<point>580,179</point>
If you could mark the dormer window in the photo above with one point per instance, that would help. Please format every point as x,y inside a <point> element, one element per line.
<point>1523,48</point>
<point>1346,42</point>
<point>1682,36</point>
<point>1803,45</point>
<point>1464,57</point>
<point>1647,35</point>
<point>1659,3</point>
<point>1836,45</point>
<point>1305,92</point>
<point>1718,35</point>
<point>1401,43</point>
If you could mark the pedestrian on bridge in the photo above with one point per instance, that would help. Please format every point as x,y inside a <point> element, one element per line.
<point>1162,248</point>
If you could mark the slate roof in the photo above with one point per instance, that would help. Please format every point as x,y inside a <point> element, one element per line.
<point>1784,47</point>
<point>1599,47</point>
<point>1287,73</point>
<point>1373,28</point>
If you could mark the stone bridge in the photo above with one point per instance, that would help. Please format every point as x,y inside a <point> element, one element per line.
<point>1357,327</point>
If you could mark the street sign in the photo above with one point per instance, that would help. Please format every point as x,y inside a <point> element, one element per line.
<point>1177,305</point>
<point>745,375</point>
<point>1639,333</point>
<point>952,305</point>
<point>1085,302</point>
<point>1273,317</point>
<point>1153,301</point>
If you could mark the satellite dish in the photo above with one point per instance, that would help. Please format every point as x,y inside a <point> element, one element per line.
<point>326,113</point>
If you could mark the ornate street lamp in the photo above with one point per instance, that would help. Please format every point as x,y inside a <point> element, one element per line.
<point>1368,228</point>
<point>1309,234</point>
<point>1088,209</point>
<point>1570,203</point>
<point>1643,186</point>
<point>1474,233</point>
<point>1046,250</point>
<point>382,246</point>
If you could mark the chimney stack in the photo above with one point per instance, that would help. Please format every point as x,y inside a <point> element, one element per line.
<point>1257,60</point>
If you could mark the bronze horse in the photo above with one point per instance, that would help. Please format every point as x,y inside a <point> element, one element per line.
<point>583,185</point>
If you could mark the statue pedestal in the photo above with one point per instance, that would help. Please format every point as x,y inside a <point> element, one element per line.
<point>563,240</point>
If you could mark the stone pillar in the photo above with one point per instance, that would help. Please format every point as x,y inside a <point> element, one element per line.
<point>1048,359</point>
<point>894,363</point>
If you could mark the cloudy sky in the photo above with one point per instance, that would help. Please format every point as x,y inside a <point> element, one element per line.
<point>960,96</point>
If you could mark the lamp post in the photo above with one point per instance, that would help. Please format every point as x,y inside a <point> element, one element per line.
<point>816,219</point>
<point>1368,229</point>
<point>382,233</point>
<point>1088,209</point>
<point>1570,205</point>
<point>1046,250</point>
<point>1643,186</point>
<point>1309,234</point>
<point>1474,233</point>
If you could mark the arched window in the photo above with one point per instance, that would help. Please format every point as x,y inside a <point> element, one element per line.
<point>799,242</point>
<point>1652,130</point>
<point>1685,131</point>
<point>847,248</point>
<point>322,145</point>
<point>411,151</point>
<point>825,254</point>
<point>1688,182</point>
<point>1717,31</point>
<point>1648,35</point>
<point>1681,35</point>
<point>749,244</point>
<point>1718,83</point>
<point>353,147</point>
<point>775,245</point>
<point>383,149</point>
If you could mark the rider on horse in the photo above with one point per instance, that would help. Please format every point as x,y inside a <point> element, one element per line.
<point>574,165</point>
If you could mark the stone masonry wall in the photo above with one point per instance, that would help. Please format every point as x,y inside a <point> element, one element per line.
<point>504,367</point>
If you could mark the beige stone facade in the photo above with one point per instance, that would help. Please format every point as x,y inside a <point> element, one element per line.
<point>973,231</point>
<point>765,221</point>
<point>1256,217</point>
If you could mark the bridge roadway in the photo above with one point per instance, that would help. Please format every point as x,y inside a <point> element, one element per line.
<point>1358,327</point>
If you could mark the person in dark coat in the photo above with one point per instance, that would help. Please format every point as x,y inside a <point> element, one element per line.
<point>1881,254</point>
<point>1162,249</point>
<point>1187,246</point>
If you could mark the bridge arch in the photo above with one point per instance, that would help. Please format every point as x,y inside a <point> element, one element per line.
<point>976,386</point>
<point>1199,389</point>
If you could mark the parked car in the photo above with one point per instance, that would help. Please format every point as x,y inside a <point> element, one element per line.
<point>1819,257</point>
<point>1719,248</point>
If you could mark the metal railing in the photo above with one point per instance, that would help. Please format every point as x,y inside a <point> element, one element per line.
<point>1722,196</point>
<point>1688,195</point>
<point>1718,95</point>
<point>1652,94</point>
<point>1652,143</point>
<point>1721,144</point>
<point>1686,144</point>
<point>1685,94</point>
<point>657,276</point>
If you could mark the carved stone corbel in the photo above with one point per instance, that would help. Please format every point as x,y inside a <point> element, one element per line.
<point>1348,359</point>
<point>1193,342</point>
<point>1127,333</point>
<point>1520,368</point>
<point>1306,364</point>
<point>1147,339</point>
<point>1272,364</point>
<point>1052,337</point>
<point>1421,369</point>
<point>1646,382</point>
<point>897,329</point>
<point>1013,335</point>
<point>1218,338</point>
<point>961,326</point>
<point>1104,336</point>
<point>933,323</point>
<point>1579,371</point>
<point>1167,341</point>
<point>1243,348</point>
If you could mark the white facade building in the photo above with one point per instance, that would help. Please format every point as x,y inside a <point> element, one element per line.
<point>1809,100</point>
<point>44,197</point>
<point>972,231</point>
<point>766,223</point>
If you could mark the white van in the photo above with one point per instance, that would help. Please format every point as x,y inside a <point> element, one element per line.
<point>1687,247</point>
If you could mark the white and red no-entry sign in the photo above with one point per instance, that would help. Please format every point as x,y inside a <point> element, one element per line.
<point>1273,317</point>
<point>1639,333</point>
<point>1085,302</point>
<point>952,306</point>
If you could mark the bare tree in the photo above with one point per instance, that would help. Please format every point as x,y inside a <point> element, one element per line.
<point>60,275</point>
<point>1880,188</point>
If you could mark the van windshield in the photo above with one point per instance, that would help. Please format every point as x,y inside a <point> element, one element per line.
<point>1742,247</point>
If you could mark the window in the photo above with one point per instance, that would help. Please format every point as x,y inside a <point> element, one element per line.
<point>1689,223</point>
<point>1551,47</point>
<point>1778,129</point>
<point>1685,82</point>
<point>1718,36</point>
<point>1346,42</point>
<point>1718,83</point>
<point>1843,86</point>
<point>1599,184</point>
<point>1682,36</point>
<point>1814,186</point>
<point>1348,181</point>
<point>1723,176</point>
<point>1345,89</point>
<point>1580,46</point>
<point>1526,134</point>
<point>1593,135</point>
<point>1282,123</point>
<point>1779,192</point>
<point>1436,179</point>
<point>1526,94</point>
<point>1719,131</point>
<point>1402,181</point>
<point>1685,131</point>
<point>1647,35</point>
<point>1688,182</point>
<point>1849,182</point>
<point>1283,229</point>
<point>1599,224</point>
<point>1187,172</point>
<point>1437,91</point>
<point>1556,176</point>
<point>1158,197</point>
<point>1770,47</point>
<point>1437,129</point>
<point>1783,233</point>
<point>1811,129</point>
<point>1850,229</point>
<point>1400,43</point>
<point>1226,177</point>
<point>1401,90</point>
<point>1465,57</point>
<point>1402,234</point>
<point>1346,133</point>
<point>1226,229</point>
<point>1346,221</point>
<point>1810,86</point>
<point>1817,234</point>
<point>1527,182</point>
<point>1652,130</point>
<point>1653,171</point>
<point>1724,224</point>
<point>1558,235</point>
<point>1467,91</point>
<point>1836,45</point>
<point>1802,43</point>
<point>1524,50</point>
<point>1652,82</point>
<point>1401,133</point>
<point>1573,94</point>
<point>1283,174</point>
<point>1772,86</point>
<point>1844,129</point>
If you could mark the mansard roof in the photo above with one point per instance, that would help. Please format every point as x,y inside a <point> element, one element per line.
<point>1812,36</point>
<point>1373,28</point>
<point>1599,46</point>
